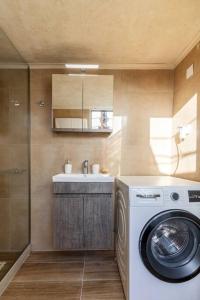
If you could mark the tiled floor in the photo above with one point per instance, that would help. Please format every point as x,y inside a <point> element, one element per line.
<point>57,275</point>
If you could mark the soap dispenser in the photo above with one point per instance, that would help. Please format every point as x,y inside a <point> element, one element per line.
<point>68,167</point>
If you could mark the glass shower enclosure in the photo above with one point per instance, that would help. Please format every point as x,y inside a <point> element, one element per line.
<point>14,155</point>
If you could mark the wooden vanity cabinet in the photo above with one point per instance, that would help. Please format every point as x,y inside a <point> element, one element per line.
<point>68,222</point>
<point>98,221</point>
<point>84,221</point>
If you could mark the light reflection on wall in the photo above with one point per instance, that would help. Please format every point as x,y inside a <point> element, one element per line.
<point>185,151</point>
<point>160,142</point>
<point>173,155</point>
<point>114,144</point>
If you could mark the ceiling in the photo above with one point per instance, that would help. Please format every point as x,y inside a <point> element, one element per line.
<point>110,32</point>
<point>8,52</point>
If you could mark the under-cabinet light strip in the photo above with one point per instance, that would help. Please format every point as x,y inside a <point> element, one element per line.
<point>81,66</point>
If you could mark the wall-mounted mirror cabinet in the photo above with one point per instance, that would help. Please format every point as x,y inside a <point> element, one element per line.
<point>82,103</point>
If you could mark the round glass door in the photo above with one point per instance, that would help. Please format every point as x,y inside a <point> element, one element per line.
<point>170,246</point>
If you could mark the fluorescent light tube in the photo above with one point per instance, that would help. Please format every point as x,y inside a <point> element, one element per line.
<point>81,66</point>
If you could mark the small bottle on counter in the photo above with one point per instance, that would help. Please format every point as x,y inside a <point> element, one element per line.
<point>95,168</point>
<point>68,167</point>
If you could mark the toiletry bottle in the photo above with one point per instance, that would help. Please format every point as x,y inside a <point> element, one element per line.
<point>68,167</point>
<point>95,168</point>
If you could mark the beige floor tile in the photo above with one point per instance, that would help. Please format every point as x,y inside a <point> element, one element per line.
<point>102,290</point>
<point>50,272</point>
<point>101,270</point>
<point>56,257</point>
<point>43,291</point>
<point>99,256</point>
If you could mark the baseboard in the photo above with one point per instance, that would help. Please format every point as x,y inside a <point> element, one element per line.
<point>15,268</point>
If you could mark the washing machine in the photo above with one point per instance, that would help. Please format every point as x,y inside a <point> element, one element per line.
<point>158,237</point>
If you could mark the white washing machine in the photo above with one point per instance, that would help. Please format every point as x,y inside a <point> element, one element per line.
<point>158,237</point>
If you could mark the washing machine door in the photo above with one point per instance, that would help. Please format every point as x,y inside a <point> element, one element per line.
<point>170,246</point>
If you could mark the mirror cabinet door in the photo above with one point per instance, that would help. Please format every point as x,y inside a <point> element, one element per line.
<point>82,103</point>
<point>98,103</point>
<point>67,102</point>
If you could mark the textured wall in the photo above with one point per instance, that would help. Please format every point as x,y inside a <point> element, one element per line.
<point>186,111</point>
<point>142,105</point>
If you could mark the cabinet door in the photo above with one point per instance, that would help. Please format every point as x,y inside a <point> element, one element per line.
<point>98,102</point>
<point>98,221</point>
<point>67,102</point>
<point>68,222</point>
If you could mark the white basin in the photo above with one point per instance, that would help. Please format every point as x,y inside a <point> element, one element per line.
<point>83,178</point>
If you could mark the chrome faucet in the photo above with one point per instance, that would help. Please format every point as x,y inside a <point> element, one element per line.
<point>85,167</point>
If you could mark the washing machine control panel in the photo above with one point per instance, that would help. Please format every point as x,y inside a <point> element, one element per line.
<point>194,196</point>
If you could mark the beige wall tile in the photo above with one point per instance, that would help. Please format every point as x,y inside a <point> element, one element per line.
<point>180,80</point>
<point>19,223</point>
<point>42,223</point>
<point>186,155</point>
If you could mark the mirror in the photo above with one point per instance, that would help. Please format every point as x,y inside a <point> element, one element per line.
<point>82,103</point>
<point>98,102</point>
<point>67,102</point>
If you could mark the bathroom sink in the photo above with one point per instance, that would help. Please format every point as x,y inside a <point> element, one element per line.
<point>83,178</point>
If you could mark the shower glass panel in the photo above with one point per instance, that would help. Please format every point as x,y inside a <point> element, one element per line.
<point>14,155</point>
